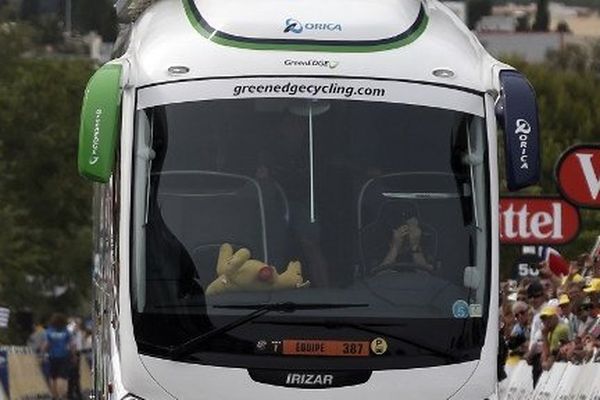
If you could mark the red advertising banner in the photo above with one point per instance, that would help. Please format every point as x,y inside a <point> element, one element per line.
<point>537,221</point>
<point>578,175</point>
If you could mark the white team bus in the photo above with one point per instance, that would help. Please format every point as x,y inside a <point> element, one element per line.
<point>298,199</point>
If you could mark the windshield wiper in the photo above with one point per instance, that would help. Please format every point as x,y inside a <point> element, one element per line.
<point>367,328</point>
<point>259,310</point>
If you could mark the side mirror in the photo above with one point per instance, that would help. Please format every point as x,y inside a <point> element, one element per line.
<point>471,278</point>
<point>517,113</point>
<point>99,127</point>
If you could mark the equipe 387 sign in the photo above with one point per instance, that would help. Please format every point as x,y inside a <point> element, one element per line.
<point>578,175</point>
<point>537,221</point>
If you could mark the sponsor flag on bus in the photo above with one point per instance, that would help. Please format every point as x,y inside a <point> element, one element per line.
<point>557,264</point>
<point>4,315</point>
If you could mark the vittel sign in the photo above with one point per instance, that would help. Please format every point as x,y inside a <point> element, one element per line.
<point>578,175</point>
<point>537,221</point>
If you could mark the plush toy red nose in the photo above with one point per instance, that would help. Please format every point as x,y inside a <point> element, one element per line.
<point>265,274</point>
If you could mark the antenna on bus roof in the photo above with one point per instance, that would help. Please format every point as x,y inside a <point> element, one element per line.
<point>130,10</point>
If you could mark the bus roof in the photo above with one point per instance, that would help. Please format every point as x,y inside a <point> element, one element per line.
<point>393,39</point>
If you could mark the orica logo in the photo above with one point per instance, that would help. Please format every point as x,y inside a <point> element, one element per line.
<point>292,25</point>
<point>295,26</point>
<point>522,126</point>
<point>522,130</point>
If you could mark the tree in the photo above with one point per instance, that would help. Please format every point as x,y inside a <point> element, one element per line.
<point>87,15</point>
<point>595,58</point>
<point>477,9</point>
<point>44,206</point>
<point>95,15</point>
<point>523,24</point>
<point>563,27</point>
<point>29,8</point>
<point>542,17</point>
<point>49,29</point>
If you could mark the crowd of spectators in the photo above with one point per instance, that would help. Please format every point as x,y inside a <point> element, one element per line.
<point>60,346</point>
<point>552,317</point>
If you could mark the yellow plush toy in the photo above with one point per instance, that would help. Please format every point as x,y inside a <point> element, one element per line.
<point>238,272</point>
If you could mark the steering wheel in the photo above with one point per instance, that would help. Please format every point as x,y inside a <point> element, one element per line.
<point>401,267</point>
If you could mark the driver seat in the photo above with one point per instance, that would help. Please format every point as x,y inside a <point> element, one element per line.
<point>379,214</point>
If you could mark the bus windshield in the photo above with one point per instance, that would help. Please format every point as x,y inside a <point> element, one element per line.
<point>359,220</point>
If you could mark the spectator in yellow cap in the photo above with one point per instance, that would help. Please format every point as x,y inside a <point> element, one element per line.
<point>577,278</point>
<point>567,315</point>
<point>554,333</point>
<point>593,287</point>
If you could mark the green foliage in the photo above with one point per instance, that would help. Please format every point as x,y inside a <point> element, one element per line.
<point>45,207</point>
<point>14,40</point>
<point>594,65</point>
<point>570,58</point>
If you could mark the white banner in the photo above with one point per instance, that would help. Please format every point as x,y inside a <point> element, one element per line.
<point>4,316</point>
<point>331,88</point>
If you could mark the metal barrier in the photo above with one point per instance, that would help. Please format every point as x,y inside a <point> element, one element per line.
<point>520,383</point>
<point>564,381</point>
<point>21,374</point>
